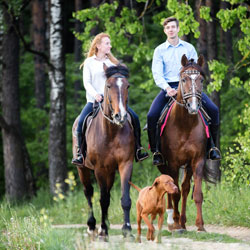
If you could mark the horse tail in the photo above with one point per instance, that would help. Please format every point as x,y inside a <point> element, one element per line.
<point>134,186</point>
<point>212,172</point>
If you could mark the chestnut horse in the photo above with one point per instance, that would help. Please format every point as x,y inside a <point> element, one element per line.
<point>183,143</point>
<point>110,147</point>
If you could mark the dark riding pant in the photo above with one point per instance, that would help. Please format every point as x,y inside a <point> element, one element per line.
<point>85,111</point>
<point>89,108</point>
<point>161,100</point>
<point>135,120</point>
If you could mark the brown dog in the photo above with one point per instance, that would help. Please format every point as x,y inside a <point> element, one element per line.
<point>151,201</point>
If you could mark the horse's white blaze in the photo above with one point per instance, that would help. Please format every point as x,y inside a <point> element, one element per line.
<point>194,103</point>
<point>170,219</point>
<point>121,106</point>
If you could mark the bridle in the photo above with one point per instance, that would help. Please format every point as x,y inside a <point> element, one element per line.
<point>115,75</point>
<point>193,92</point>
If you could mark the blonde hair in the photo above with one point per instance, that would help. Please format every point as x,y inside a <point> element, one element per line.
<point>93,48</point>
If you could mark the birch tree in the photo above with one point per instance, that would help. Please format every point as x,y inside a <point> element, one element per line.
<point>57,130</point>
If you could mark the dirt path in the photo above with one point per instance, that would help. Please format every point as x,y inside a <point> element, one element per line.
<point>117,242</point>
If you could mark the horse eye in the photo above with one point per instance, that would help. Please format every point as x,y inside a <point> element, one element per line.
<point>108,86</point>
<point>183,80</point>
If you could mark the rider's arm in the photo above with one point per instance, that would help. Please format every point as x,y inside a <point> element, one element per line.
<point>87,79</point>
<point>157,70</point>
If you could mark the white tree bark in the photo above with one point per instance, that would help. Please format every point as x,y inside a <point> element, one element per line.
<point>57,133</point>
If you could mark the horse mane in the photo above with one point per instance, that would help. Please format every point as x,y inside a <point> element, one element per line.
<point>121,69</point>
<point>192,63</point>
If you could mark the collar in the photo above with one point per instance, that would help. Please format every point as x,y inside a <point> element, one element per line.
<point>181,42</point>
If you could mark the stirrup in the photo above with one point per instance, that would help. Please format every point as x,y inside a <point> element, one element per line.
<point>145,154</point>
<point>161,159</point>
<point>214,149</point>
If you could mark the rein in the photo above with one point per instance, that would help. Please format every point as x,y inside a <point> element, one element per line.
<point>105,116</point>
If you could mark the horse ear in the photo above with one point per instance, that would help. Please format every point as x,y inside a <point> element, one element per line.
<point>105,66</point>
<point>184,60</point>
<point>201,60</point>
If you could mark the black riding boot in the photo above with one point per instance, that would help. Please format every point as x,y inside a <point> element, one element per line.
<point>153,138</point>
<point>214,152</point>
<point>139,155</point>
<point>79,159</point>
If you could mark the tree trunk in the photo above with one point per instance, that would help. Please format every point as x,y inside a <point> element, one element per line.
<point>18,175</point>
<point>38,17</point>
<point>57,131</point>
<point>202,40</point>
<point>78,53</point>
<point>227,39</point>
<point>212,49</point>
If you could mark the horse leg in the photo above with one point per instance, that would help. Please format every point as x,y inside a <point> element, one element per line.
<point>176,198</point>
<point>198,196</point>
<point>105,187</point>
<point>125,171</point>
<point>185,188</point>
<point>85,178</point>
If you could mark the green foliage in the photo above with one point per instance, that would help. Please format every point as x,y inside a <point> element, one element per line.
<point>219,72</point>
<point>237,159</point>
<point>184,13</point>
<point>205,13</point>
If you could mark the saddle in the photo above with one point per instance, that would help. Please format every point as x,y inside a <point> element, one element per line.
<point>86,123</point>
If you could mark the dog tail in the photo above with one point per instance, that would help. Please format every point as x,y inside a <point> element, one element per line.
<point>133,185</point>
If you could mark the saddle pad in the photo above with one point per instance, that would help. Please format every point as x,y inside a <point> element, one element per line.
<point>202,118</point>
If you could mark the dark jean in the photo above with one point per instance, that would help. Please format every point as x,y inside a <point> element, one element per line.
<point>85,111</point>
<point>161,100</point>
<point>89,108</point>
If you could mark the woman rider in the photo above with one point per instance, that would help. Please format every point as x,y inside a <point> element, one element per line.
<point>94,81</point>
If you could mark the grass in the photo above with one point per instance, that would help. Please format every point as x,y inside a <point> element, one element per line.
<point>27,225</point>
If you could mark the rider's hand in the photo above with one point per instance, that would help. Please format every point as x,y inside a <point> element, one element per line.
<point>171,91</point>
<point>98,98</point>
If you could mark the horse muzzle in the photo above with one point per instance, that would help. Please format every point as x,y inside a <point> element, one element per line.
<point>119,119</point>
<point>193,107</point>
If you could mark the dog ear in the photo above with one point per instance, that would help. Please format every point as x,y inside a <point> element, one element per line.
<point>156,182</point>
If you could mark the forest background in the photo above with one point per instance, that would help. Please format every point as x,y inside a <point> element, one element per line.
<point>42,44</point>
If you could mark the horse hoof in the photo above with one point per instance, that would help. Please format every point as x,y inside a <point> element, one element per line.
<point>103,238</point>
<point>92,233</point>
<point>180,231</point>
<point>127,231</point>
<point>201,230</point>
<point>173,227</point>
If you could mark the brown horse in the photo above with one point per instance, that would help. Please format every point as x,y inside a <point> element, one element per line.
<point>110,147</point>
<point>183,143</point>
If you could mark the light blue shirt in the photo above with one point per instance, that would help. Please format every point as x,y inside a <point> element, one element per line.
<point>166,63</point>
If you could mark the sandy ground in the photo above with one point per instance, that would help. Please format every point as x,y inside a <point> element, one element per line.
<point>117,241</point>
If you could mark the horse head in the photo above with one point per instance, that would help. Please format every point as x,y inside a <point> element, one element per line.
<point>191,83</point>
<point>116,93</point>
